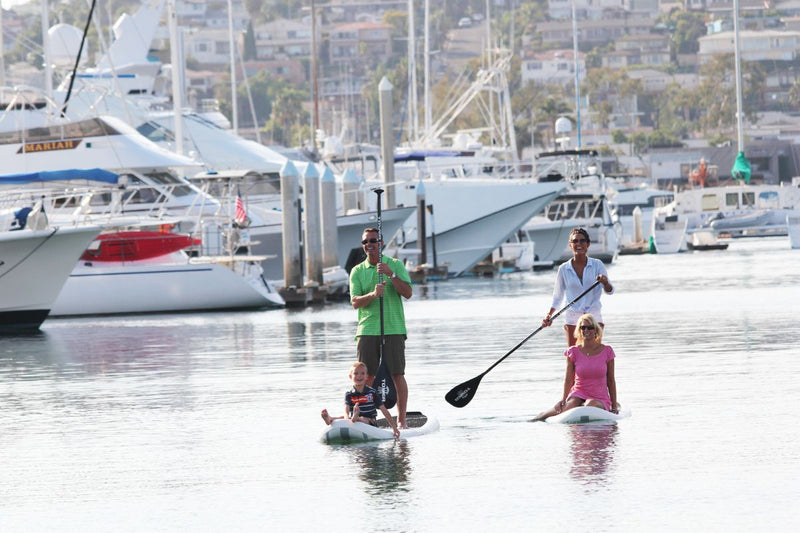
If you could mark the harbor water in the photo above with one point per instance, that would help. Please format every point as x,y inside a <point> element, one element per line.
<point>210,422</point>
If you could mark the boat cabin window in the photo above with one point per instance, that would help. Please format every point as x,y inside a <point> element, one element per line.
<point>748,199</point>
<point>139,192</point>
<point>732,200</point>
<point>173,183</point>
<point>155,133</point>
<point>709,202</point>
<point>768,200</point>
<point>147,195</point>
<point>73,130</point>
<point>103,198</point>
<point>265,184</point>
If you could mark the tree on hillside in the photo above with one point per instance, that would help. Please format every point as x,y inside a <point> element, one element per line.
<point>715,97</point>
<point>686,27</point>
<point>249,42</point>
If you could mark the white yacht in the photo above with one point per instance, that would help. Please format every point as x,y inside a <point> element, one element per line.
<point>35,261</point>
<point>584,203</point>
<point>473,211</point>
<point>143,195</point>
<point>735,210</point>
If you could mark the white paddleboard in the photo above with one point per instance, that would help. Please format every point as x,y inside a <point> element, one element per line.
<point>586,415</point>
<point>346,432</point>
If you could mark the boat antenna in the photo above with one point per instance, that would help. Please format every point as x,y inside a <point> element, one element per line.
<point>77,59</point>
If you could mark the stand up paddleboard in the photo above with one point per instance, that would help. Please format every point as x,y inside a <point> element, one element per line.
<point>588,415</point>
<point>346,432</point>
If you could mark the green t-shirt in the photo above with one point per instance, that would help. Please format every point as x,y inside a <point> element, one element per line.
<point>363,278</point>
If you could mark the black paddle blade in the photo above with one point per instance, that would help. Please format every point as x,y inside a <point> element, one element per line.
<point>461,395</point>
<point>384,385</point>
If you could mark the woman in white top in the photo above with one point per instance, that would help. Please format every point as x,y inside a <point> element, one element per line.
<point>574,277</point>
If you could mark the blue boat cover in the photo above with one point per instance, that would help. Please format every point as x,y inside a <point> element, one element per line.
<point>91,174</point>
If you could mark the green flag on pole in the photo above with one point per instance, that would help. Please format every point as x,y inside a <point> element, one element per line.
<point>741,168</point>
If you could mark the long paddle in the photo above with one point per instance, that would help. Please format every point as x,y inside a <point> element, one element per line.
<point>383,382</point>
<point>461,395</point>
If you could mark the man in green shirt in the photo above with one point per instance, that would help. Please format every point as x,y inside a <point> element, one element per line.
<point>365,293</point>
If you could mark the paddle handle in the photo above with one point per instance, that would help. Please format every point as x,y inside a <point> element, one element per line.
<point>540,328</point>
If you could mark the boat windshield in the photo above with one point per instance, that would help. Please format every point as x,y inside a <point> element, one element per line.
<point>72,130</point>
<point>177,187</point>
<point>768,200</point>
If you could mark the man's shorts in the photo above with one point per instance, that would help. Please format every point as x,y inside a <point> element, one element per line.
<point>394,351</point>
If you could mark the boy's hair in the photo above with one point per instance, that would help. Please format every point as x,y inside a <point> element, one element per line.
<point>356,365</point>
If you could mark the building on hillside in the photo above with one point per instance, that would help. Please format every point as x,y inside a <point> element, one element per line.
<point>648,7</point>
<point>211,14</point>
<point>360,43</point>
<point>284,39</point>
<point>210,48</point>
<point>593,33</point>
<point>648,50</point>
<point>200,85</point>
<point>355,10</point>
<point>725,7</point>
<point>769,45</point>
<point>190,13</point>
<point>656,81</point>
<point>552,67</point>
<point>584,9</point>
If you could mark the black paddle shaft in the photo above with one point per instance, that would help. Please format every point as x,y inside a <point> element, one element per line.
<point>383,380</point>
<point>462,394</point>
<point>378,192</point>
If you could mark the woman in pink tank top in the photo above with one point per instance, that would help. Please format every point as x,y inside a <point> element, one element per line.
<point>589,379</point>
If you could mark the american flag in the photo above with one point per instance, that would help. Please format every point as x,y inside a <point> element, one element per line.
<point>240,216</point>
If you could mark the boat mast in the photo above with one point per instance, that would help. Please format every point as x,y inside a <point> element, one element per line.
<point>175,46</point>
<point>2,51</point>
<point>427,59</point>
<point>314,76</point>
<point>577,74</point>
<point>234,103</point>
<point>48,64</point>
<point>413,105</point>
<point>738,72</point>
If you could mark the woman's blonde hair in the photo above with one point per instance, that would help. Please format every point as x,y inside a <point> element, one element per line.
<point>588,318</point>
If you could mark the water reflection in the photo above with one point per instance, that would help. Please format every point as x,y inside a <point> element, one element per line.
<point>593,447</point>
<point>383,468</point>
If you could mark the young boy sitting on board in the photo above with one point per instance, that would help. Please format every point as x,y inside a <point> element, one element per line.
<point>361,403</point>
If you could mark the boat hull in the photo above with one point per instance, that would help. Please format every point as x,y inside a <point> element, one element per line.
<point>103,289</point>
<point>34,266</point>
<point>465,240</point>
<point>669,234</point>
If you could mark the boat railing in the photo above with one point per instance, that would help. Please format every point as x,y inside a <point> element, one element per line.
<point>92,204</point>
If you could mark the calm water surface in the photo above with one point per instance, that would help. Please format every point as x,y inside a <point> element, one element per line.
<point>210,422</point>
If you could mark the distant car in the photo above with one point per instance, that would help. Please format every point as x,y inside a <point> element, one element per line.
<point>465,22</point>
<point>477,17</point>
